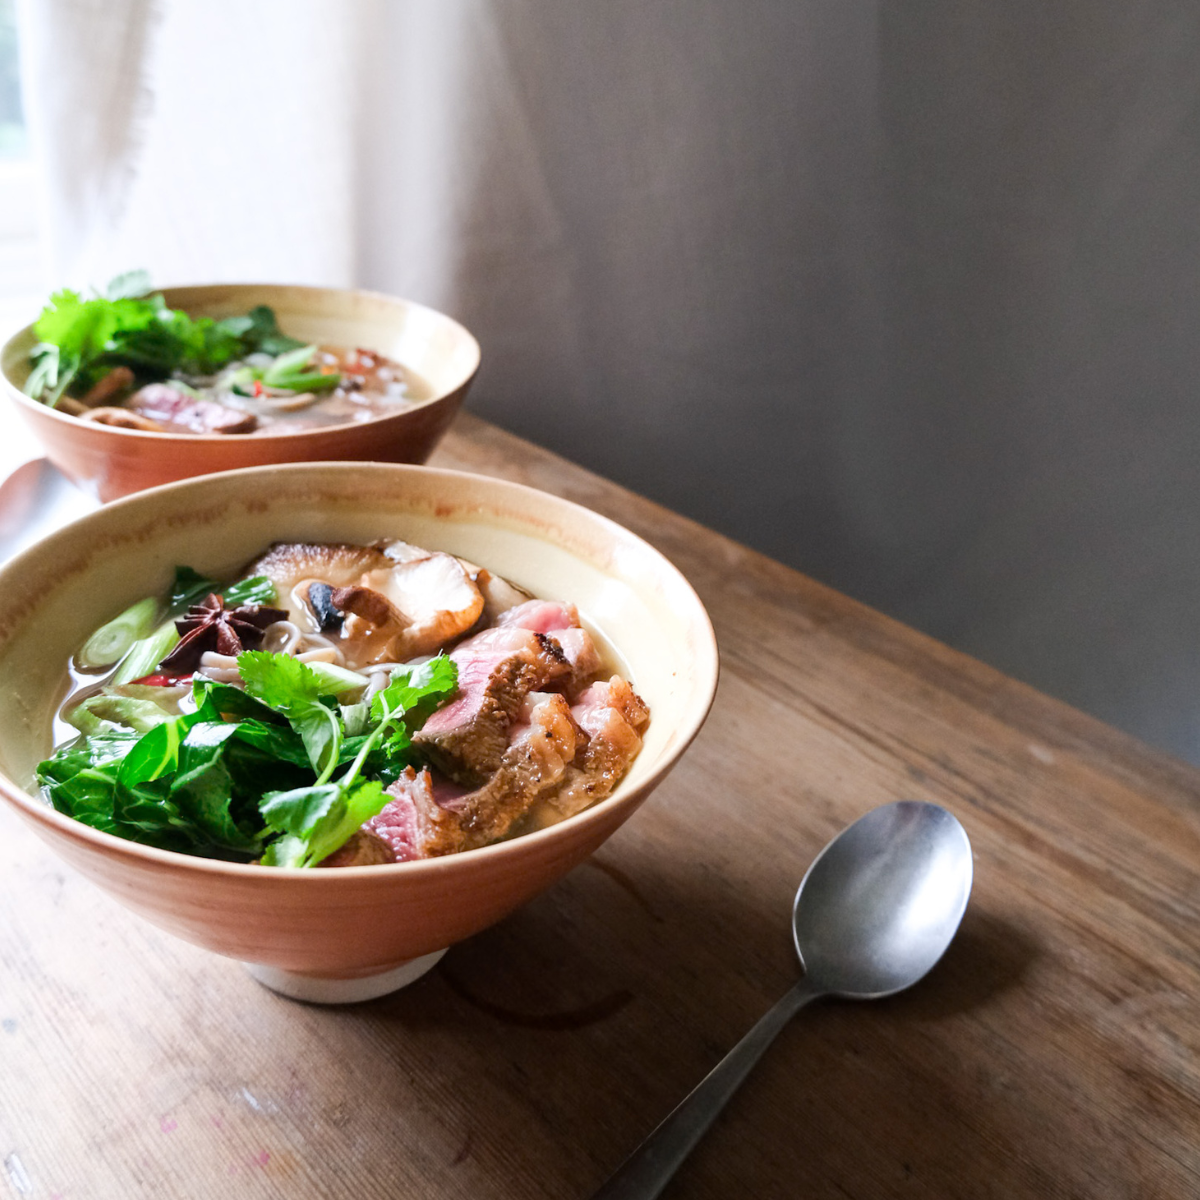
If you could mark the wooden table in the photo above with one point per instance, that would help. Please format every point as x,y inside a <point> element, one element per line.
<point>1053,1052</point>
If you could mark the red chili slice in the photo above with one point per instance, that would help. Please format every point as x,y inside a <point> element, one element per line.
<point>163,680</point>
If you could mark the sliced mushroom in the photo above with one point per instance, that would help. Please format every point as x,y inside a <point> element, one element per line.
<point>371,624</point>
<point>437,597</point>
<point>293,566</point>
<point>402,552</point>
<point>122,418</point>
<point>395,607</point>
<point>327,613</point>
<point>498,594</point>
<point>372,606</point>
<point>118,380</point>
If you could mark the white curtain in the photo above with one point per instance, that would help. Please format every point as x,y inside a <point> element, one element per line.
<point>907,296</point>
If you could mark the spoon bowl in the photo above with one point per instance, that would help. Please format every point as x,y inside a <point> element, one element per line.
<point>874,912</point>
<point>880,904</point>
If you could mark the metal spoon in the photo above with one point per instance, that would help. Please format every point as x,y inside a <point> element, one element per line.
<point>874,912</point>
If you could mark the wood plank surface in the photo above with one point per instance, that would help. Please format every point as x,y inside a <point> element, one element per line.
<point>1052,1053</point>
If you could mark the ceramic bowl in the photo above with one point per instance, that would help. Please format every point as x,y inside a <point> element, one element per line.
<point>355,932</point>
<point>110,462</point>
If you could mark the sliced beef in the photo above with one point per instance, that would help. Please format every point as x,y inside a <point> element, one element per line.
<point>561,622</point>
<point>181,412</point>
<point>497,669</point>
<point>364,849</point>
<point>413,824</point>
<point>540,616</point>
<point>536,759</point>
<point>611,716</point>
<point>428,817</point>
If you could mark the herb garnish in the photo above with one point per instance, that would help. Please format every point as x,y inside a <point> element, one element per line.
<point>81,339</point>
<point>251,773</point>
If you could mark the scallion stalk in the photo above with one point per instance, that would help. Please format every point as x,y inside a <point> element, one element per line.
<point>145,655</point>
<point>291,363</point>
<point>112,642</point>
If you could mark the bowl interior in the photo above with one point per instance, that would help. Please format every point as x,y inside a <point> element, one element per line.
<point>53,595</point>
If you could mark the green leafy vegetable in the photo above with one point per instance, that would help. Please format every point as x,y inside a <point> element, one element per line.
<point>260,333</point>
<point>300,693</point>
<point>190,587</point>
<point>137,706</point>
<point>319,820</point>
<point>248,772</point>
<point>81,339</point>
<point>258,589</point>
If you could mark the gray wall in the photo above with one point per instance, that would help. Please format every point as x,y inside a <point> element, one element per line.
<point>903,294</point>
<point>907,296</point>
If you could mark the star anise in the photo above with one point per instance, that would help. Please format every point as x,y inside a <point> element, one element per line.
<point>209,625</point>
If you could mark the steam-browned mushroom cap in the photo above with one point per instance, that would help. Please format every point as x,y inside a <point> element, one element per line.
<point>436,596</point>
<point>399,600</point>
<point>292,566</point>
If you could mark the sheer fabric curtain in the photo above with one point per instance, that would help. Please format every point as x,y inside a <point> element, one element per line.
<point>905,296</point>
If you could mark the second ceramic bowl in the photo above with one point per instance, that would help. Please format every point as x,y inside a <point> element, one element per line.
<point>109,462</point>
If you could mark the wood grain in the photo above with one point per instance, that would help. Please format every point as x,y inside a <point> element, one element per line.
<point>1052,1053</point>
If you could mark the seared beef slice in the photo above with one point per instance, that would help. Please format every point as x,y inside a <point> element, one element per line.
<point>561,622</point>
<point>611,717</point>
<point>497,669</point>
<point>426,819</point>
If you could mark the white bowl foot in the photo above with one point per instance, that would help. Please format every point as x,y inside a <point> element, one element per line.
<point>342,991</point>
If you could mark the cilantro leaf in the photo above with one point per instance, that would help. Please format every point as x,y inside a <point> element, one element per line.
<point>318,820</point>
<point>279,680</point>
<point>127,285</point>
<point>417,690</point>
<point>81,339</point>
<point>296,690</point>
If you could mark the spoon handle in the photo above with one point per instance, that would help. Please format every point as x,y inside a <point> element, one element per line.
<point>645,1173</point>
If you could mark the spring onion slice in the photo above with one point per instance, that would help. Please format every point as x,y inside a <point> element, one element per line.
<point>145,655</point>
<point>111,642</point>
